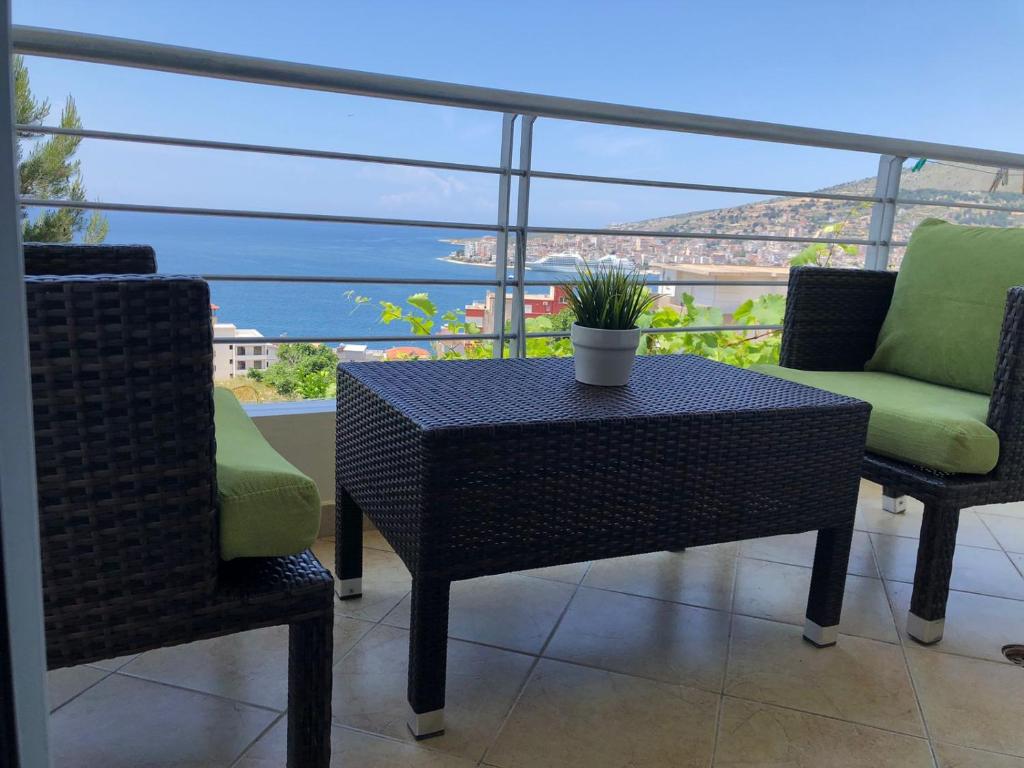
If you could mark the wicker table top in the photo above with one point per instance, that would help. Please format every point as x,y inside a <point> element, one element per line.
<point>465,393</point>
<point>471,467</point>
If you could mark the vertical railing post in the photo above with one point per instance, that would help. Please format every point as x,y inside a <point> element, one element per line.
<point>522,221</point>
<point>883,219</point>
<point>883,214</point>
<point>23,706</point>
<point>508,125</point>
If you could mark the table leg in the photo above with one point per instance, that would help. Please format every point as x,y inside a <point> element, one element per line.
<point>926,620</point>
<point>828,580</point>
<point>428,656</point>
<point>348,545</point>
<point>893,501</point>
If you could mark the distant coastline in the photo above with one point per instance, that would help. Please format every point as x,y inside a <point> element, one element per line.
<point>452,260</point>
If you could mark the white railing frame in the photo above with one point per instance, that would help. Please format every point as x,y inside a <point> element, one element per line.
<point>512,106</point>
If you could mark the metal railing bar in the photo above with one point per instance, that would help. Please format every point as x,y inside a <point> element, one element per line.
<point>701,187</point>
<point>508,125</point>
<point>977,206</point>
<point>266,149</point>
<point>38,41</point>
<point>522,221</point>
<point>698,235</point>
<point>776,283</point>
<point>35,202</point>
<point>345,280</point>
<point>674,329</point>
<point>247,340</point>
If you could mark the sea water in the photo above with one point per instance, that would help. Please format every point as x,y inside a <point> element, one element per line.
<point>215,245</point>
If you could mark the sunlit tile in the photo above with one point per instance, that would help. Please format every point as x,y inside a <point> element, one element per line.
<point>576,717</point>
<point>860,680</point>
<point>641,636</point>
<point>753,734</point>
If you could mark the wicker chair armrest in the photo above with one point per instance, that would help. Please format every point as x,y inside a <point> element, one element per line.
<point>73,259</point>
<point>122,378</point>
<point>833,317</point>
<point>1006,406</point>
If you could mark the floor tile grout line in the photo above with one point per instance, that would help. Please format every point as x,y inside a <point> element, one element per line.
<point>424,745</point>
<point>741,614</point>
<point>259,736</point>
<point>107,673</point>
<point>906,665</point>
<point>996,514</point>
<point>533,667</point>
<point>218,696</point>
<point>1002,549</point>
<point>857,723</point>
<point>728,653</point>
<point>334,664</point>
<point>978,749</point>
<point>969,591</point>
<point>801,565</point>
<point>890,534</point>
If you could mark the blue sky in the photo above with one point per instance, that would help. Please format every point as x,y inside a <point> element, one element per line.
<point>940,71</point>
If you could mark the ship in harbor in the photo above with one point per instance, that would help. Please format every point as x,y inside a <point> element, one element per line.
<point>573,262</point>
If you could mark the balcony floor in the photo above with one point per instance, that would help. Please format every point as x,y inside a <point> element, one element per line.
<point>691,659</point>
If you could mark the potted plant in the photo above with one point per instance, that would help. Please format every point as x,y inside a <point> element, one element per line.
<point>607,305</point>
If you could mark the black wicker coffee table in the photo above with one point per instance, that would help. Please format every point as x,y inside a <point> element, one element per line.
<point>473,468</point>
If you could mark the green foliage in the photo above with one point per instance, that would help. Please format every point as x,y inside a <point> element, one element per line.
<point>50,170</point>
<point>420,318</point>
<point>611,299</point>
<point>420,314</point>
<point>305,370</point>
<point>821,254</point>
<point>740,348</point>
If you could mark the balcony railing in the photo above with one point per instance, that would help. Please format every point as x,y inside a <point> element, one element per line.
<point>519,113</point>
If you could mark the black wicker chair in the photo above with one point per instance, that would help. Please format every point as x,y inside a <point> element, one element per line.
<point>833,317</point>
<point>122,391</point>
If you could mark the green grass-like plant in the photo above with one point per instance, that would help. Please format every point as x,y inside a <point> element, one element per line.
<point>613,300</point>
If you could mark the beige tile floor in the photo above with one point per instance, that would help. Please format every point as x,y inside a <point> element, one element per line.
<point>669,659</point>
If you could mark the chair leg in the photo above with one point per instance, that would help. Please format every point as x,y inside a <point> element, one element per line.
<point>828,581</point>
<point>428,656</point>
<point>893,501</point>
<point>348,545</point>
<point>927,618</point>
<point>310,656</point>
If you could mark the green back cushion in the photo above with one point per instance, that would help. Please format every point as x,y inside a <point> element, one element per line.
<point>913,421</point>
<point>947,307</point>
<point>267,507</point>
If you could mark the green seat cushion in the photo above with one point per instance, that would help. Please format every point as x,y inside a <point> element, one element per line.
<point>267,507</point>
<point>947,305</point>
<point>913,421</point>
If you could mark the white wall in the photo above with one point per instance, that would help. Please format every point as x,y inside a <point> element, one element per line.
<point>303,433</point>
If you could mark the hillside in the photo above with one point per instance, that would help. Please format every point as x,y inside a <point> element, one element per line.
<point>794,216</point>
<point>786,216</point>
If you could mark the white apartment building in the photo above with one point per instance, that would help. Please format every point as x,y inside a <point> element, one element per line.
<point>723,295</point>
<point>235,359</point>
<point>358,353</point>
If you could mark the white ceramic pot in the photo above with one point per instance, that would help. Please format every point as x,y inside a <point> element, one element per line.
<point>604,357</point>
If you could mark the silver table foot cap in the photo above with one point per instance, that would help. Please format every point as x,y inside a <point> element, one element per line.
<point>925,631</point>
<point>820,636</point>
<point>426,724</point>
<point>894,505</point>
<point>350,588</point>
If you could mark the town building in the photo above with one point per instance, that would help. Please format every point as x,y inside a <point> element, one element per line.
<point>723,295</point>
<point>249,352</point>
<point>358,353</point>
<point>481,313</point>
